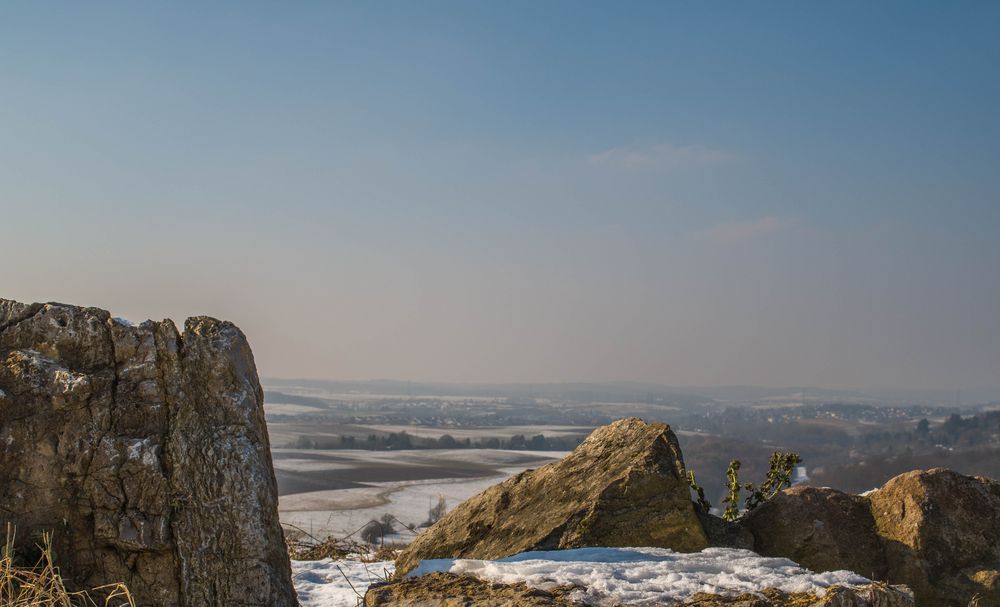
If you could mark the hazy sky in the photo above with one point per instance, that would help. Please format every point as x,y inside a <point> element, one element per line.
<point>689,193</point>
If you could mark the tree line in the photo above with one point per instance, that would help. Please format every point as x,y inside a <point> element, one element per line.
<point>402,440</point>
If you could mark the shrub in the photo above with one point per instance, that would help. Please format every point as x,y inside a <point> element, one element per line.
<point>779,475</point>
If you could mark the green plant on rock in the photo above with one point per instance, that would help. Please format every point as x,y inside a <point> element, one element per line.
<point>779,475</point>
<point>732,499</point>
<point>700,491</point>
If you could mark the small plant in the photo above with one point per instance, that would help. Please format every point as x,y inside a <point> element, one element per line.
<point>732,499</point>
<point>700,492</point>
<point>779,475</point>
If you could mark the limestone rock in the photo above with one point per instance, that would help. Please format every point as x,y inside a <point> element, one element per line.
<point>144,452</point>
<point>822,529</point>
<point>872,595</point>
<point>941,532</point>
<point>451,590</point>
<point>623,486</point>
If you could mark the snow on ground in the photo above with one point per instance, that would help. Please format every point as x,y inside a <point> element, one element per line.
<point>607,576</point>
<point>642,575</point>
<point>343,511</point>
<point>339,512</point>
<point>328,583</point>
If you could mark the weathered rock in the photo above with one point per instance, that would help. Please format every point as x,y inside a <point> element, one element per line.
<point>144,452</point>
<point>819,528</point>
<point>872,595</point>
<point>451,590</point>
<point>624,486</point>
<point>941,532</point>
<point>724,534</point>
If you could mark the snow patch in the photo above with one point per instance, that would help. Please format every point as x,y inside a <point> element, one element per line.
<point>328,583</point>
<point>611,576</point>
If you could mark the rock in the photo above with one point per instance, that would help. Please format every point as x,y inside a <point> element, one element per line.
<point>872,595</point>
<point>623,486</point>
<point>941,532</point>
<point>144,452</point>
<point>451,590</point>
<point>724,534</point>
<point>822,529</point>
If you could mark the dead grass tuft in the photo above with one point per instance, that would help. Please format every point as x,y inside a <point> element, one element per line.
<point>42,585</point>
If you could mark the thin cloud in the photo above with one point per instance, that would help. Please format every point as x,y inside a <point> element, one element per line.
<point>663,155</point>
<point>730,232</point>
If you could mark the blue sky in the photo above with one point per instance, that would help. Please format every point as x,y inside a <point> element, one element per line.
<point>779,193</point>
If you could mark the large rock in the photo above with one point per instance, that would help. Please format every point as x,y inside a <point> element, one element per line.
<point>941,532</point>
<point>819,528</point>
<point>451,590</point>
<point>144,452</point>
<point>623,486</point>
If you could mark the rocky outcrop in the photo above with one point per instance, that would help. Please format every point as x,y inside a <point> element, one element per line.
<point>873,595</point>
<point>144,452</point>
<point>941,532</point>
<point>936,531</point>
<point>623,486</point>
<point>451,590</point>
<point>819,528</point>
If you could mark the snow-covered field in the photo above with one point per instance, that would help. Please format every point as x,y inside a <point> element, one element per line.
<point>339,512</point>
<point>606,576</point>
<point>345,511</point>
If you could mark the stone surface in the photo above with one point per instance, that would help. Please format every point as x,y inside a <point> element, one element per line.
<point>144,452</point>
<point>941,532</point>
<point>822,529</point>
<point>451,590</point>
<point>724,534</point>
<point>623,486</point>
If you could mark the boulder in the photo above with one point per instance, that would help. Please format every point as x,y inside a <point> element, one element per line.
<point>144,452</point>
<point>822,529</point>
<point>941,533</point>
<point>623,486</point>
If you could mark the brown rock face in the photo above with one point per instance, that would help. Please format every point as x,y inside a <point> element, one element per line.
<point>941,532</point>
<point>624,486</point>
<point>144,451</point>
<point>451,590</point>
<point>819,528</point>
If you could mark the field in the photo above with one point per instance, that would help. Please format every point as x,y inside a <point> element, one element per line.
<point>337,492</point>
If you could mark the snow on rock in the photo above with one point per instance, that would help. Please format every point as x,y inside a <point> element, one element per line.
<point>329,583</point>
<point>643,575</point>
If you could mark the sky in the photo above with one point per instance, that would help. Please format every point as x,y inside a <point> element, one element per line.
<point>797,193</point>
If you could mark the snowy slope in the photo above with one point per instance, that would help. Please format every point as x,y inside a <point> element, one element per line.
<point>609,575</point>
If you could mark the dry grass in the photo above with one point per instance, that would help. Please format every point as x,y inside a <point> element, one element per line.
<point>302,546</point>
<point>42,585</point>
